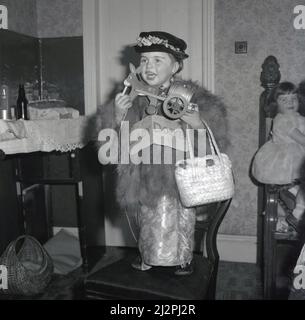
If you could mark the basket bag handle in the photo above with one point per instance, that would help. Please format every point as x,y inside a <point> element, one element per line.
<point>213,144</point>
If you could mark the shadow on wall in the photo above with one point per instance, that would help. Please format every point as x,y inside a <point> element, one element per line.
<point>98,121</point>
<point>62,64</point>
<point>40,63</point>
<point>95,123</point>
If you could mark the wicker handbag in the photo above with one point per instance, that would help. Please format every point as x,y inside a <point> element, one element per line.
<point>29,266</point>
<point>206,179</point>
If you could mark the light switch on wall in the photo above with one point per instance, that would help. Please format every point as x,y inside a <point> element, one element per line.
<point>241,47</point>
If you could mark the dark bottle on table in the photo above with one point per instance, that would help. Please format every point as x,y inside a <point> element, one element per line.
<point>22,104</point>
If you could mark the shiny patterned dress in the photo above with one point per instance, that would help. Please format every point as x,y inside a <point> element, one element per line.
<point>166,228</point>
<point>166,233</point>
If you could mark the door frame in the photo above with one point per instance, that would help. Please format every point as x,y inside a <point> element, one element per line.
<point>92,52</point>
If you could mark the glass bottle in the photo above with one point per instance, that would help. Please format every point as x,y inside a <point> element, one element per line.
<point>4,102</point>
<point>22,104</point>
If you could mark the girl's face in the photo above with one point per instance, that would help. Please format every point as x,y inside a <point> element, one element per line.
<point>288,103</point>
<point>157,68</point>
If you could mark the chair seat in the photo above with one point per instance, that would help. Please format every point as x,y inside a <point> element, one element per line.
<point>120,281</point>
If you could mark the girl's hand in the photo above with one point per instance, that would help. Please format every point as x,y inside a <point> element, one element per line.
<point>122,102</point>
<point>193,119</point>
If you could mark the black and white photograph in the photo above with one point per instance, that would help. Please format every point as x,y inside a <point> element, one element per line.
<point>152,153</point>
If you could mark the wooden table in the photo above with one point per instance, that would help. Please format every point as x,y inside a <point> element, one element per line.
<point>29,140</point>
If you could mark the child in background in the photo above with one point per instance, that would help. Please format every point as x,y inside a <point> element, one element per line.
<point>281,160</point>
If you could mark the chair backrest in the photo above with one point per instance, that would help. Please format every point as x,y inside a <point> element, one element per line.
<point>270,78</point>
<point>206,237</point>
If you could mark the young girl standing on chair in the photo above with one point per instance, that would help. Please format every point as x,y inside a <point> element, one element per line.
<point>149,191</point>
<point>281,160</point>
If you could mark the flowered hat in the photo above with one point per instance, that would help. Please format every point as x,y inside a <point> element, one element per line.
<point>161,41</point>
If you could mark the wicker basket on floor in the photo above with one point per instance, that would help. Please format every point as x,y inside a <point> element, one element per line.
<point>29,267</point>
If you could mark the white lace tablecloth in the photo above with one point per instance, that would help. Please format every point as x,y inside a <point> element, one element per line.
<point>43,135</point>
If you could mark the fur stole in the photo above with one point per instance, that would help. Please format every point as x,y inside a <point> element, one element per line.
<point>145,184</point>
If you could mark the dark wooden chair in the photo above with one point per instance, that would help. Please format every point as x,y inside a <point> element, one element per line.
<point>277,251</point>
<point>118,280</point>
